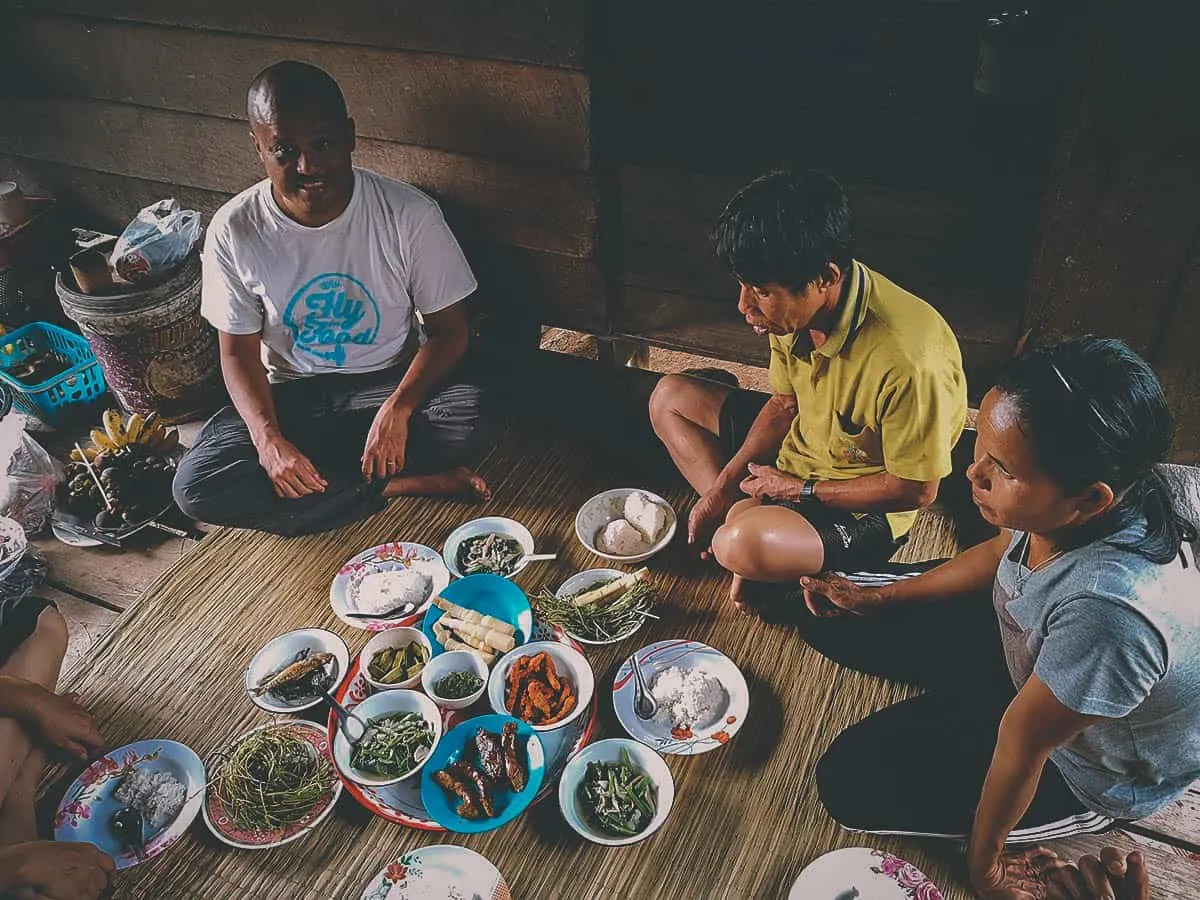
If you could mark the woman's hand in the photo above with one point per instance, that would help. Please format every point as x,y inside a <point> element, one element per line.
<point>1026,875</point>
<point>1114,876</point>
<point>829,595</point>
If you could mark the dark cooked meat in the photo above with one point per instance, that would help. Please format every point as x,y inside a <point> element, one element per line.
<point>478,780</point>
<point>491,757</point>
<point>456,786</point>
<point>514,770</point>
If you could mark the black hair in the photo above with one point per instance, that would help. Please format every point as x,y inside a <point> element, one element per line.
<point>785,227</point>
<point>289,86</point>
<point>1095,411</point>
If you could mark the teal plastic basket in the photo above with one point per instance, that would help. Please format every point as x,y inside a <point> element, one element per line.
<point>79,385</point>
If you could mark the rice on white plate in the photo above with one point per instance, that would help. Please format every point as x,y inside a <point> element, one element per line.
<point>156,795</point>
<point>377,592</point>
<point>688,698</point>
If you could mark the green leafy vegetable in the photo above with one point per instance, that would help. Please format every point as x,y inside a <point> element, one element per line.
<point>618,798</point>
<point>457,685</point>
<point>392,745</point>
<point>494,553</point>
<point>604,621</point>
<point>271,780</point>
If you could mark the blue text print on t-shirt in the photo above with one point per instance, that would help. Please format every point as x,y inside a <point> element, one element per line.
<point>330,311</point>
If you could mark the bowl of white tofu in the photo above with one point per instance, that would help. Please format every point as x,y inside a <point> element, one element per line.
<point>628,525</point>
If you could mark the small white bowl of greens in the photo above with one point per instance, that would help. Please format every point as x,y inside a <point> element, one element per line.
<point>455,679</point>
<point>403,727</point>
<point>598,606</point>
<point>616,792</point>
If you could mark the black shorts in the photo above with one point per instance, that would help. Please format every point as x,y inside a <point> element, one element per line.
<point>18,621</point>
<point>851,542</point>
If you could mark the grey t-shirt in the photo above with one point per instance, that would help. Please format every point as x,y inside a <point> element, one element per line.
<point>1112,634</point>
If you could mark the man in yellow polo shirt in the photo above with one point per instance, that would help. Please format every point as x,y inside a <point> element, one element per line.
<point>868,398</point>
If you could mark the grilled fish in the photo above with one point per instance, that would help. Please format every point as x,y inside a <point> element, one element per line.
<point>294,672</point>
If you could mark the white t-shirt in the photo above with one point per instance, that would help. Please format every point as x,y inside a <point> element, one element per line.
<point>338,298</point>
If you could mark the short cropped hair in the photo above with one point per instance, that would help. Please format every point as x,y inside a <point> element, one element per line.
<point>785,228</point>
<point>289,86</point>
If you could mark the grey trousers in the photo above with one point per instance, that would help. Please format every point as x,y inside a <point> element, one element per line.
<point>327,417</point>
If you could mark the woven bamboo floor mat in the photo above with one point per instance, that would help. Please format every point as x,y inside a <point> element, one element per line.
<point>746,817</point>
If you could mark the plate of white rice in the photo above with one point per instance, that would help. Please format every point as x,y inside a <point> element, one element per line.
<point>702,697</point>
<point>164,780</point>
<point>385,578</point>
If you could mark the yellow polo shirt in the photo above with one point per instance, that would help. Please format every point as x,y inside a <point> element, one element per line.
<point>885,393</point>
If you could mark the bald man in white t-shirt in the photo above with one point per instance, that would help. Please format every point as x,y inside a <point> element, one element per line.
<point>338,298</point>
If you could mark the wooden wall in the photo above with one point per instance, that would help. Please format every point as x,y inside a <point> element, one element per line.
<point>482,103</point>
<point>1119,248</point>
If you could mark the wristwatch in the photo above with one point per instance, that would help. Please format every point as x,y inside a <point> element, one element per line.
<point>808,491</point>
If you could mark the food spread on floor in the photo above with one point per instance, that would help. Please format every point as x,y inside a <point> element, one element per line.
<point>380,592</point>
<point>536,692</point>
<point>394,744</point>
<point>305,676</point>
<point>610,611</point>
<point>641,524</point>
<point>271,779</point>
<point>392,665</point>
<point>457,685</point>
<point>498,763</point>
<point>495,554</point>
<point>618,798</point>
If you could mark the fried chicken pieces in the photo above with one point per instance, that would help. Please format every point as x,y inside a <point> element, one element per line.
<point>536,692</point>
<point>497,764</point>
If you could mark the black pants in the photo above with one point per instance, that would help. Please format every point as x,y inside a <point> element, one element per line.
<point>918,767</point>
<point>327,417</point>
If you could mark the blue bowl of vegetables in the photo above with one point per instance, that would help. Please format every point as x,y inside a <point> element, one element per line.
<point>488,615</point>
<point>484,773</point>
<point>616,792</point>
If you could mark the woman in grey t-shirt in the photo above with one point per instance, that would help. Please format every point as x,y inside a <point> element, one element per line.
<point>1061,658</point>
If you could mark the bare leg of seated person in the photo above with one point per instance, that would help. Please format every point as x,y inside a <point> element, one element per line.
<point>772,544</point>
<point>686,414</point>
<point>37,659</point>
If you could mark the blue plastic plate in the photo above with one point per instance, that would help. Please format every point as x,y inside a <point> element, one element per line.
<point>461,740</point>
<point>489,595</point>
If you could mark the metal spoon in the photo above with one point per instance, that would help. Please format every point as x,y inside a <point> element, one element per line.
<point>397,613</point>
<point>128,824</point>
<point>345,717</point>
<point>644,704</point>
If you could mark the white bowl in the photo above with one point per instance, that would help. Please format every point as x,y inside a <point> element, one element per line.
<point>487,525</point>
<point>568,662</point>
<point>393,637</point>
<point>280,651</point>
<point>610,751</point>
<point>377,706</point>
<point>454,661</point>
<point>582,581</point>
<point>608,506</point>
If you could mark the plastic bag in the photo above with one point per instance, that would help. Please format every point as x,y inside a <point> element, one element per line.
<point>156,242</point>
<point>27,490</point>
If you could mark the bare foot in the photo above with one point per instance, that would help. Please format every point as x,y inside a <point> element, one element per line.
<point>738,593</point>
<point>457,481</point>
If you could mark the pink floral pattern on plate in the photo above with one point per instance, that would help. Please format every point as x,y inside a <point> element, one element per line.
<point>91,782</point>
<point>908,876</point>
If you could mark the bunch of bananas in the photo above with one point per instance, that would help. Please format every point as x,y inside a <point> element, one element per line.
<point>148,432</point>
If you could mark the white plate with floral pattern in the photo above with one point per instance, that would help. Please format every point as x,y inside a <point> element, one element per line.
<point>439,872</point>
<point>386,557</point>
<point>688,739</point>
<point>864,874</point>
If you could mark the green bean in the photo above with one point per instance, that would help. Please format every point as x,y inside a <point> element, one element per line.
<point>392,745</point>
<point>619,798</point>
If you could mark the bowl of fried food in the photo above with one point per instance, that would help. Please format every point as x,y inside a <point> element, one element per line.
<point>544,683</point>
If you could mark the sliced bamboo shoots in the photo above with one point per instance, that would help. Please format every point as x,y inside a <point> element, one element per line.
<point>612,589</point>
